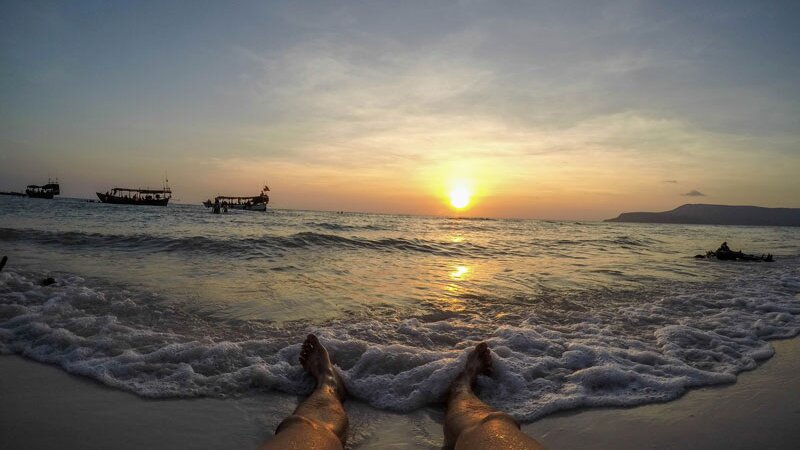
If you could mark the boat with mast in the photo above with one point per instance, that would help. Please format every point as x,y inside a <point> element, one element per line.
<point>44,191</point>
<point>131,196</point>
<point>246,203</point>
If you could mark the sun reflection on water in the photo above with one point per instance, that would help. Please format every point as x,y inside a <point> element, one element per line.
<point>459,273</point>
<point>454,289</point>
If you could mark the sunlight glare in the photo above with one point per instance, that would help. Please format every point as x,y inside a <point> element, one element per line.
<point>459,272</point>
<point>460,197</point>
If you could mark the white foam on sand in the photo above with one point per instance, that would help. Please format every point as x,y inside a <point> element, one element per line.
<point>607,352</point>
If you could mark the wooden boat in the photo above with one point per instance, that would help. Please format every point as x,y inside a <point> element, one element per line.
<point>247,203</point>
<point>45,191</point>
<point>129,196</point>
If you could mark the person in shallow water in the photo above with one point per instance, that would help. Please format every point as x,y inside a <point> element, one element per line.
<point>724,253</point>
<point>320,422</point>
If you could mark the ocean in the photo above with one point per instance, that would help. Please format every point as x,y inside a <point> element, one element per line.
<point>177,302</point>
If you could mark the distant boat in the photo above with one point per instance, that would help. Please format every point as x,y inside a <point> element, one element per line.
<point>248,203</point>
<point>15,194</point>
<point>129,196</point>
<point>45,191</point>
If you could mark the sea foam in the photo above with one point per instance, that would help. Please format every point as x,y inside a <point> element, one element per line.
<point>598,353</point>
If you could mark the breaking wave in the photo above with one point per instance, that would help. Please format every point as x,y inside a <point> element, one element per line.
<point>257,247</point>
<point>621,351</point>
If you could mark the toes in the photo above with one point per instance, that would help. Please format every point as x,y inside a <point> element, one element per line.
<point>485,356</point>
<point>310,344</point>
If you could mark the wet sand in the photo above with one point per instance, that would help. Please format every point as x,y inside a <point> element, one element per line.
<point>42,407</point>
<point>760,411</point>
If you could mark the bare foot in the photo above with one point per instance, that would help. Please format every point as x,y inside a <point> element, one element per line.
<point>314,358</point>
<point>479,361</point>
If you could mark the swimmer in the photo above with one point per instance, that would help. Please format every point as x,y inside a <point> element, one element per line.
<point>320,422</point>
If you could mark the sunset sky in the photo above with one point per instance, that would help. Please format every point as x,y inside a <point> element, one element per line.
<point>562,110</point>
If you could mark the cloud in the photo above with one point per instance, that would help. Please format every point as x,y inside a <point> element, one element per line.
<point>694,193</point>
<point>671,181</point>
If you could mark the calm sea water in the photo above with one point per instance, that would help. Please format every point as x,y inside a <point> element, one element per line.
<point>178,302</point>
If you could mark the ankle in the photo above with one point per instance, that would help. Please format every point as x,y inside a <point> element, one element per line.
<point>462,384</point>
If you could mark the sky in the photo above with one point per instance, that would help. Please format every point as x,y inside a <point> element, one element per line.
<point>534,109</point>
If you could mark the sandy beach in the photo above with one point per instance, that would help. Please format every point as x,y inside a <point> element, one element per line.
<point>44,407</point>
<point>586,214</point>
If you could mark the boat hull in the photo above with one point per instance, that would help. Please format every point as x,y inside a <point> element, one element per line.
<point>256,207</point>
<point>241,206</point>
<point>132,201</point>
<point>47,195</point>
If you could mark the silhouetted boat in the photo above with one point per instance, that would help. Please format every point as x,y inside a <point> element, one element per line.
<point>128,196</point>
<point>250,203</point>
<point>45,191</point>
<point>15,194</point>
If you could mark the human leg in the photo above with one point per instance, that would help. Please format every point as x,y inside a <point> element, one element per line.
<point>319,422</point>
<point>471,424</point>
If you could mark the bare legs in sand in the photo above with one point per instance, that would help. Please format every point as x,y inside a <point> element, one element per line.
<point>470,423</point>
<point>320,422</point>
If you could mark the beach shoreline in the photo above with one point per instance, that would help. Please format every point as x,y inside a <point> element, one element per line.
<point>760,410</point>
<point>43,407</point>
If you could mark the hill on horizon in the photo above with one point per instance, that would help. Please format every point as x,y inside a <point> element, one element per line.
<point>705,214</point>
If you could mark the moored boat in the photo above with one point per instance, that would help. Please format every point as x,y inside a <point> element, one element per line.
<point>45,191</point>
<point>246,203</point>
<point>129,196</point>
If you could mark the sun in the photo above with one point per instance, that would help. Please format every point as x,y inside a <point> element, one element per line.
<point>460,197</point>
